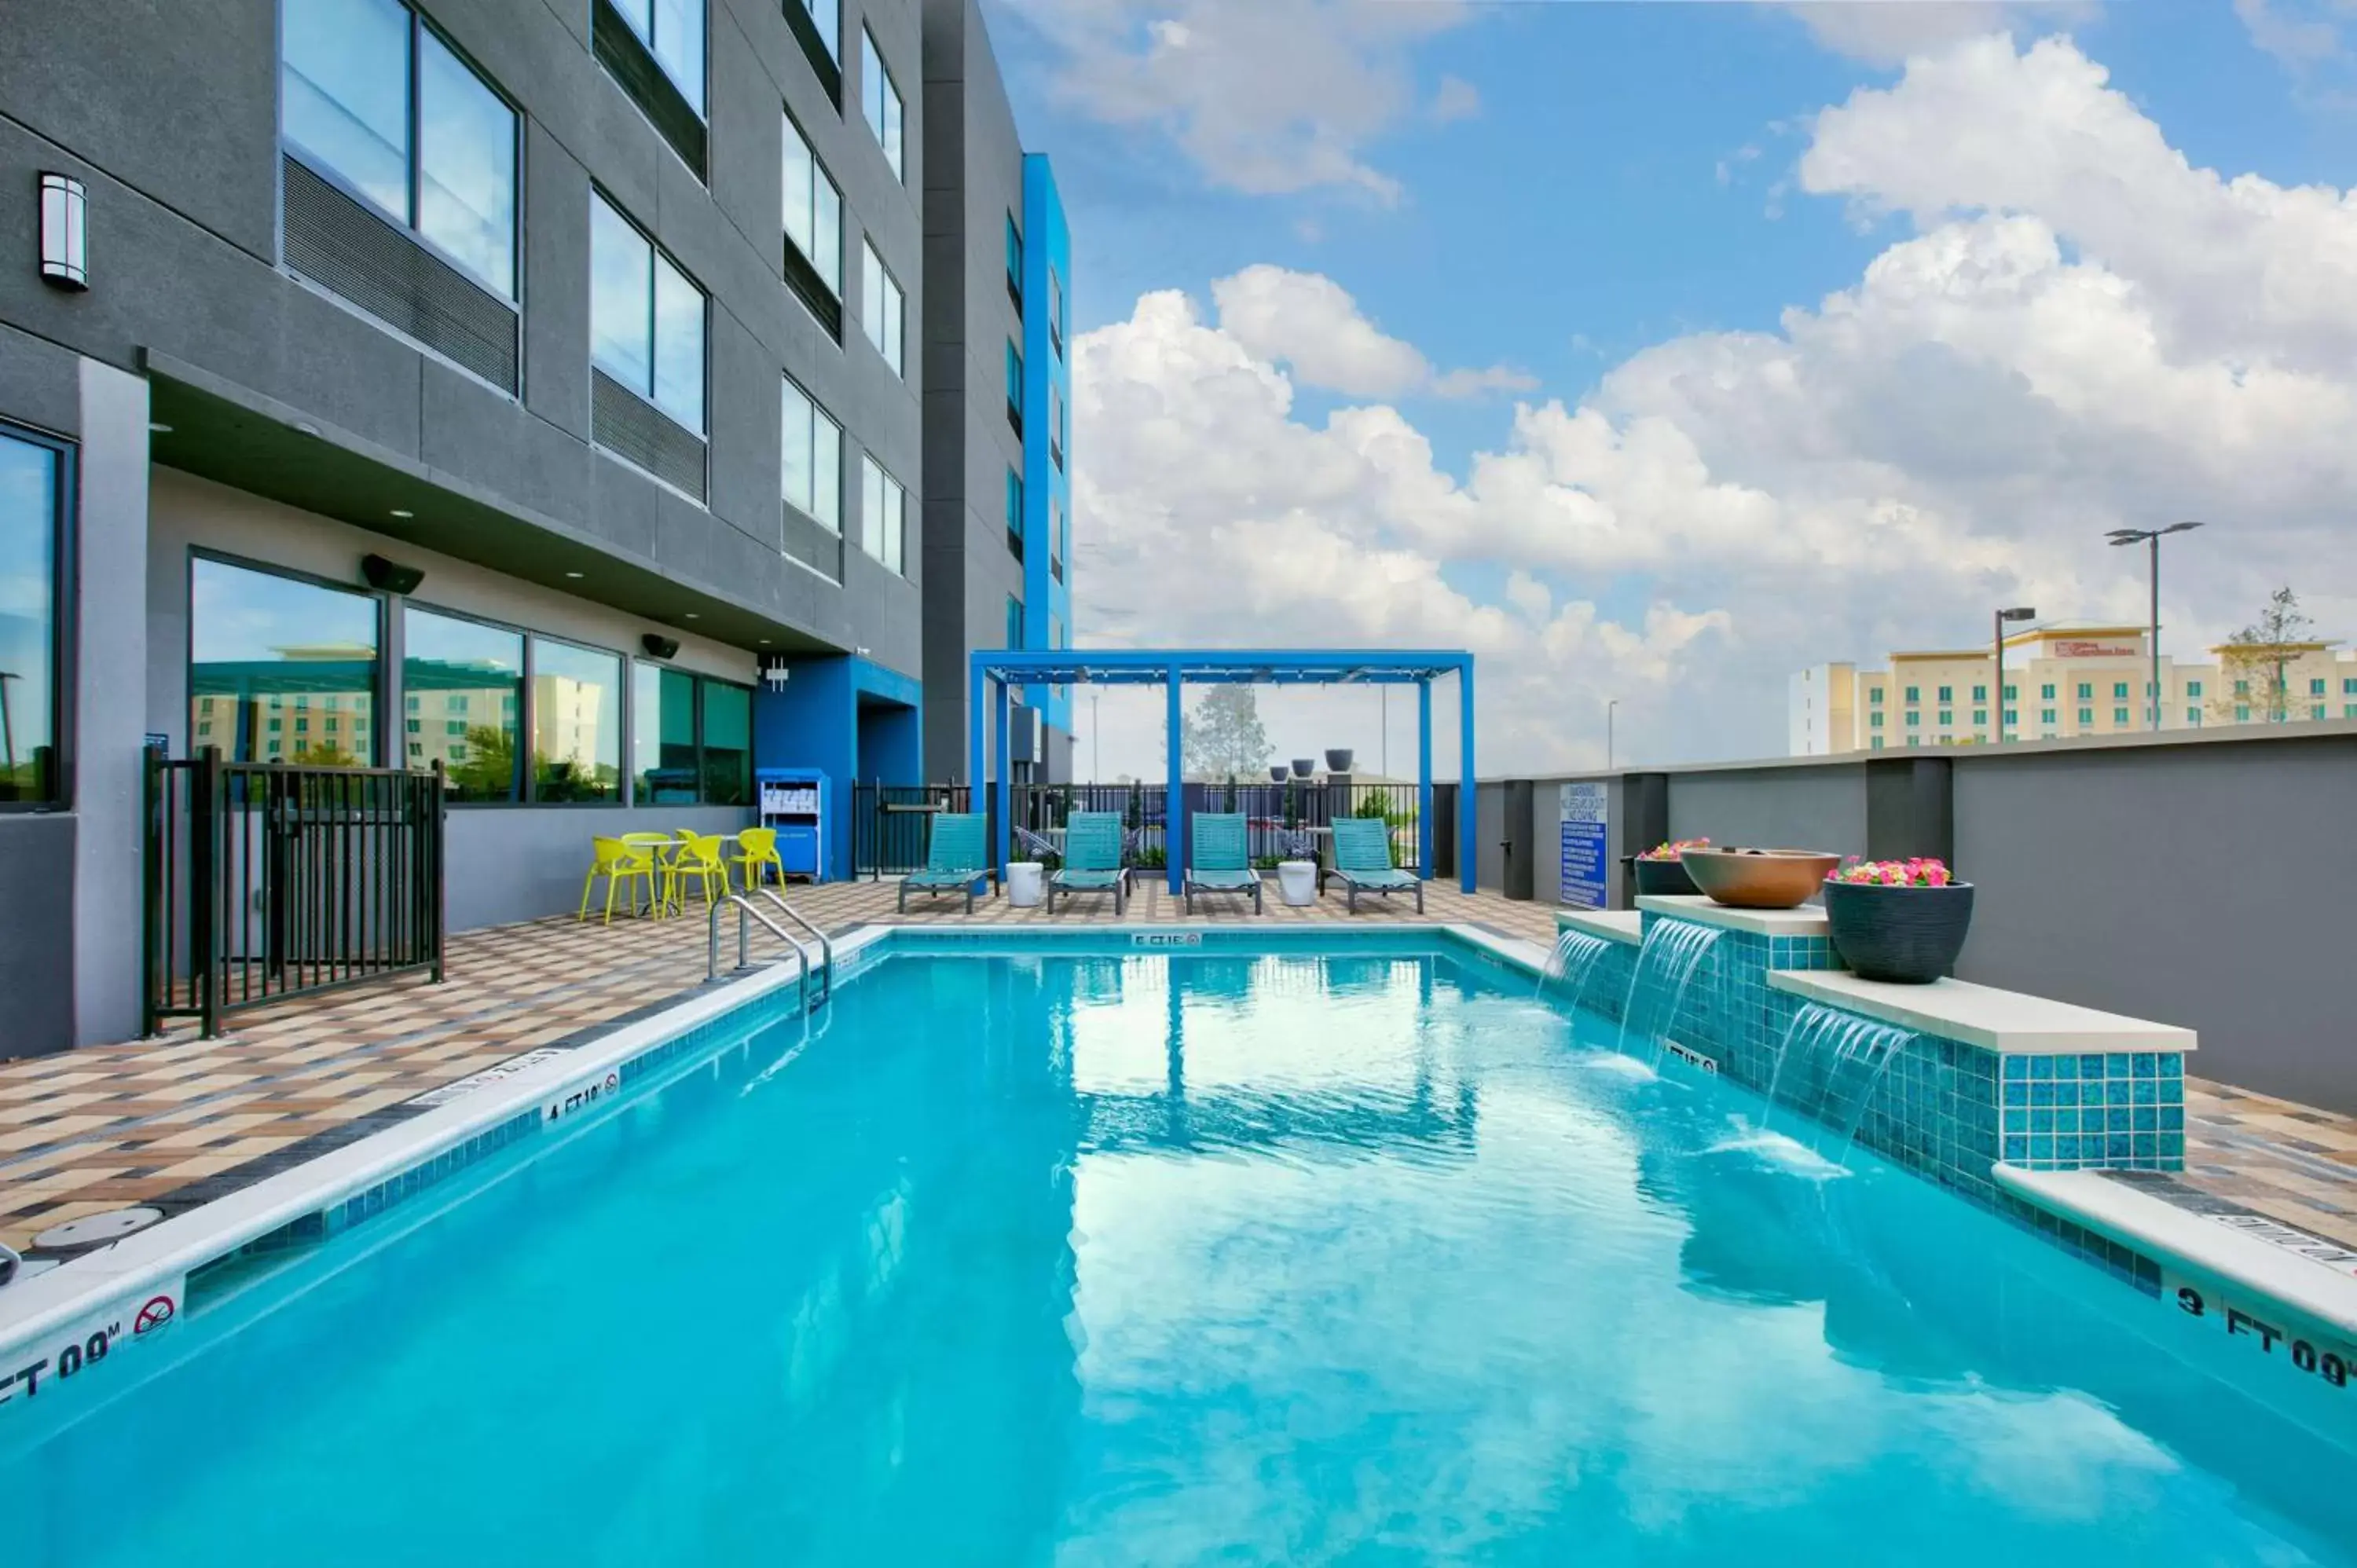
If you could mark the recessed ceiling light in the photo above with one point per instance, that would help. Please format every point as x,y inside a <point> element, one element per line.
<point>159,429</point>
<point>306,427</point>
<point>765,642</point>
<point>693,616</point>
<point>573,573</point>
<point>402,512</point>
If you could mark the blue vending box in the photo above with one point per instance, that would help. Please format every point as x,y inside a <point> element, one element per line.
<point>794,801</point>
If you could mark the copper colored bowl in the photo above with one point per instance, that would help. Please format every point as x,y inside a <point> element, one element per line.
<point>1759,878</point>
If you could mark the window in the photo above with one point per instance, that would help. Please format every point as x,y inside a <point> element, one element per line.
<point>813,210</point>
<point>2241,714</point>
<point>1015,513</point>
<point>663,736</point>
<point>576,723</point>
<point>1874,696</point>
<point>256,638</point>
<point>2012,692</point>
<point>672,32</point>
<point>1877,743</point>
<point>821,22</point>
<point>1015,388</point>
<point>1980,716</point>
<point>2316,711</point>
<point>1980,693</point>
<point>1056,424</point>
<point>880,307</point>
<point>2193,717</point>
<point>2085,691</point>
<point>1914,721</point>
<point>446,664</point>
<point>1947,693</point>
<point>883,514</point>
<point>1873,721</point>
<point>811,473</point>
<point>646,319</point>
<point>2348,687</point>
<point>2012,716</point>
<point>2119,690</point>
<point>1014,621</point>
<point>2349,710</point>
<point>2120,717</point>
<point>1947,716</point>
<point>1914,693</point>
<point>1013,264</point>
<point>33,512</point>
<point>2086,718</point>
<point>2316,688</point>
<point>357,76</point>
<point>1055,312</point>
<point>2193,688</point>
<point>1060,534</point>
<point>879,100</point>
<point>2047,691</point>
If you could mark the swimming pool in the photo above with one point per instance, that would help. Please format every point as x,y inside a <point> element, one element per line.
<point>1088,1255</point>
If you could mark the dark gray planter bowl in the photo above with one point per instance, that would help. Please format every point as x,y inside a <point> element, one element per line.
<point>1339,761</point>
<point>1909,935</point>
<point>1303,766</point>
<point>1662,877</point>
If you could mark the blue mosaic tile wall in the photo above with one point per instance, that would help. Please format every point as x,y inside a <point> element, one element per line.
<point>1944,1109</point>
<point>1604,989</point>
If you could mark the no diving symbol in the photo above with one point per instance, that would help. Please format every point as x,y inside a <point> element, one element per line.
<point>155,1315</point>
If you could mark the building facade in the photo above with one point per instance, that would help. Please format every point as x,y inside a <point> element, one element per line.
<point>2062,682</point>
<point>997,401</point>
<point>538,390</point>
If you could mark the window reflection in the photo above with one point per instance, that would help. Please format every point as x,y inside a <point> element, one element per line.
<point>576,723</point>
<point>665,735</point>
<point>29,480</point>
<point>462,691</point>
<point>280,669</point>
<point>466,174</point>
<point>727,743</point>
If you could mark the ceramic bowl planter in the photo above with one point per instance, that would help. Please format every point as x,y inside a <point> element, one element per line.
<point>1909,935</point>
<point>1759,878</point>
<point>1903,922</point>
<point>1660,870</point>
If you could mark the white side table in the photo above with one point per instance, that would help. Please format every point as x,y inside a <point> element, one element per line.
<point>1297,882</point>
<point>1024,882</point>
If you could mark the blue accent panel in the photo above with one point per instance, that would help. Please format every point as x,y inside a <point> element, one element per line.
<point>848,719</point>
<point>1047,389</point>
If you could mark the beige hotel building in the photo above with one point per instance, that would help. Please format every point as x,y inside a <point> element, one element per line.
<point>2059,681</point>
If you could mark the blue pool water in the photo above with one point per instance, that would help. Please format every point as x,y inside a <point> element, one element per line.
<point>1109,1260</point>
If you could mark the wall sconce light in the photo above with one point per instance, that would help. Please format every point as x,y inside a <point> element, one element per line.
<point>65,233</point>
<point>659,646</point>
<point>391,575</point>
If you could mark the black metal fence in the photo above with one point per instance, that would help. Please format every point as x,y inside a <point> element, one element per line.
<point>264,881</point>
<point>890,823</point>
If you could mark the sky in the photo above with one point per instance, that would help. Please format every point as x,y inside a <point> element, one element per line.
<point>1656,350</point>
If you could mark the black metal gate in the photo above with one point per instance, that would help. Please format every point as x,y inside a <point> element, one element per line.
<point>265,881</point>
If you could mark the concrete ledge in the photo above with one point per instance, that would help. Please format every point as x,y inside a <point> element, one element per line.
<point>2001,1021</point>
<point>2183,1240</point>
<point>1612,925</point>
<point>1808,920</point>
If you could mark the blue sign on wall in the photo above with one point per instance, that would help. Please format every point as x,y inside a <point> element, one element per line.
<point>1584,820</point>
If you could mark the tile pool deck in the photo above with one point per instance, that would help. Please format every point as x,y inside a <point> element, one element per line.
<point>175,1121</point>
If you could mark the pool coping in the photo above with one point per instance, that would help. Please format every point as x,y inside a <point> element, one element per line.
<point>1626,926</point>
<point>94,1291</point>
<point>2009,1023</point>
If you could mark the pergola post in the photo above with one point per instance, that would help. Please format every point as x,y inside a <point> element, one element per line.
<point>1174,803</point>
<point>978,740</point>
<point>1424,778</point>
<point>1467,814</point>
<point>1005,786</point>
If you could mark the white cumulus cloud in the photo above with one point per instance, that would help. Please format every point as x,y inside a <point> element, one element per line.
<point>2081,331</point>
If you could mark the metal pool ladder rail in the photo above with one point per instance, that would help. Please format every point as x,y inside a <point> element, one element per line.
<point>748,912</point>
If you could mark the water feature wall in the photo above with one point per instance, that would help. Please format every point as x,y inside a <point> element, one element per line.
<point>1577,958</point>
<point>1946,1109</point>
<point>1673,964</point>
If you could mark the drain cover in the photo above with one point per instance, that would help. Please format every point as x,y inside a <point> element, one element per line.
<point>91,1229</point>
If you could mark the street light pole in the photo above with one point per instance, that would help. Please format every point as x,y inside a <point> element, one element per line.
<point>2151,537</point>
<point>1610,704</point>
<point>1997,730</point>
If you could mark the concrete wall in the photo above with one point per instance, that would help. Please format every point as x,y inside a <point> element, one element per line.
<point>171,115</point>
<point>513,864</point>
<point>2196,878</point>
<point>36,941</point>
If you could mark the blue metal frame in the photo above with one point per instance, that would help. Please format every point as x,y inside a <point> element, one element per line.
<point>992,672</point>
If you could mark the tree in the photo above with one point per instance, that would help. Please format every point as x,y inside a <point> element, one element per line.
<point>1223,734</point>
<point>2253,660</point>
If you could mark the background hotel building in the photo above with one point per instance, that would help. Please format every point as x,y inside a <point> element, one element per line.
<point>2059,681</point>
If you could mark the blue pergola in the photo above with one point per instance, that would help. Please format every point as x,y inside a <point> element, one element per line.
<point>993,673</point>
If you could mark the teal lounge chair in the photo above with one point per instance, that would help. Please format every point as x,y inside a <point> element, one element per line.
<point>1363,859</point>
<point>956,858</point>
<point>1092,860</point>
<point>1218,858</point>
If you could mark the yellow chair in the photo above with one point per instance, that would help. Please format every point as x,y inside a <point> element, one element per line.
<point>697,856</point>
<point>620,863</point>
<point>758,847</point>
